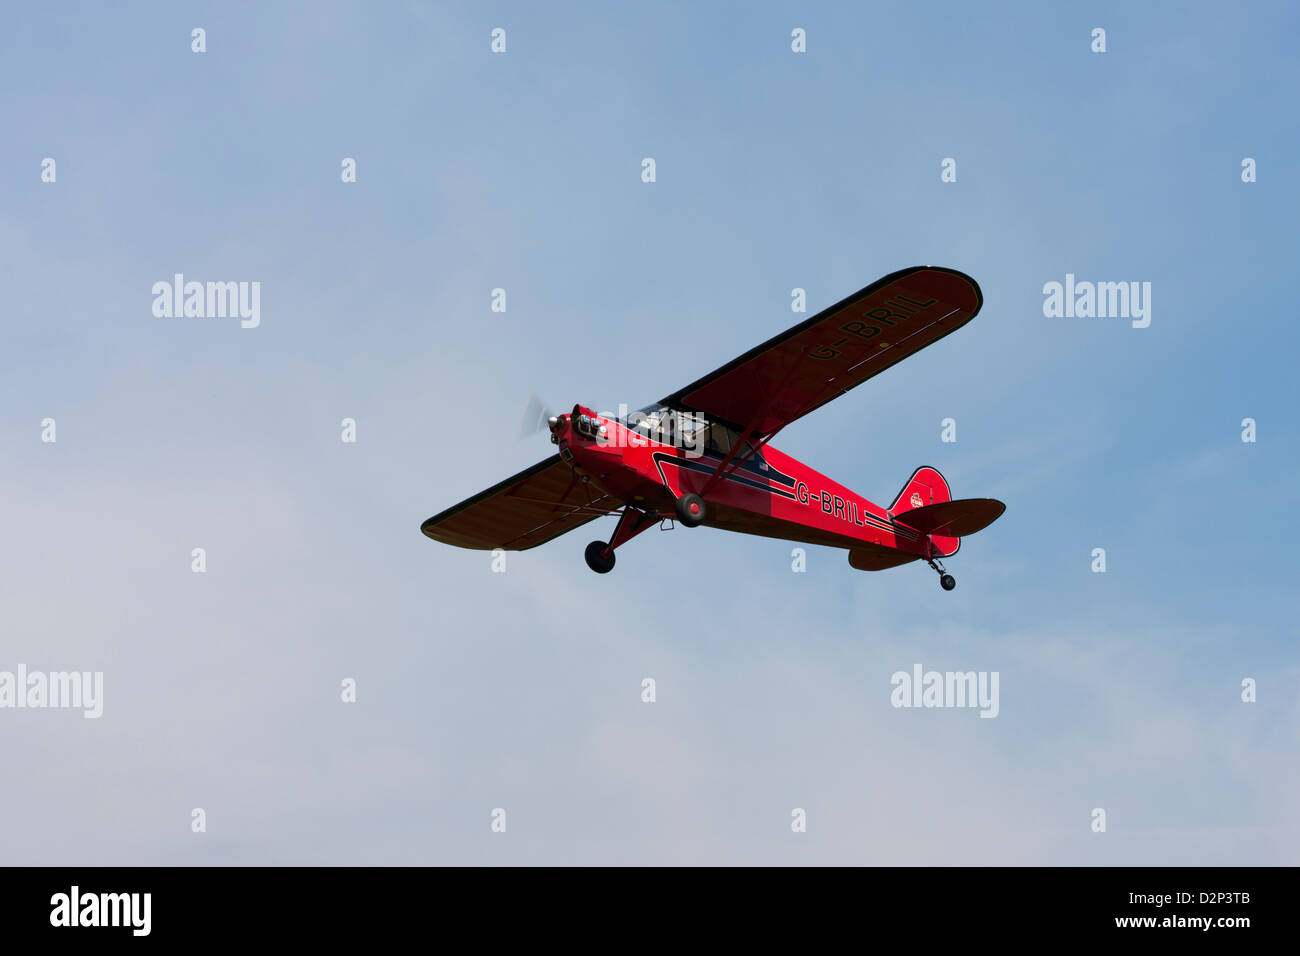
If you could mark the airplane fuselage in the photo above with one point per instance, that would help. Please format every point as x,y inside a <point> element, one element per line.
<point>768,493</point>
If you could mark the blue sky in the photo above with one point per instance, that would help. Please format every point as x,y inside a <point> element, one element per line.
<point>521,690</point>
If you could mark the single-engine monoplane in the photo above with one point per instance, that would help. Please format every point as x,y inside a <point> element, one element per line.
<point>701,456</point>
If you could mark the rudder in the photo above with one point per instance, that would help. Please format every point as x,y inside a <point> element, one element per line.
<point>925,487</point>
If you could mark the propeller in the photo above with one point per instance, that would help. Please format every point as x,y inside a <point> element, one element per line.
<point>534,418</point>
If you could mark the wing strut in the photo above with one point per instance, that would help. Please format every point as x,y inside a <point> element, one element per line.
<point>722,472</point>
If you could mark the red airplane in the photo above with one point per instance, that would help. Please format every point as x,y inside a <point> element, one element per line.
<point>702,456</point>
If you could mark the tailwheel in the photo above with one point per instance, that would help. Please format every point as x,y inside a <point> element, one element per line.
<point>690,510</point>
<point>600,558</point>
<point>946,580</point>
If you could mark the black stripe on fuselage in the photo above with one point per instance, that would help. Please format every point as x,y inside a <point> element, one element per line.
<point>705,468</point>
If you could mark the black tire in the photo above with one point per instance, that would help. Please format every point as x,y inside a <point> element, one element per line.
<point>597,560</point>
<point>691,510</point>
<point>947,582</point>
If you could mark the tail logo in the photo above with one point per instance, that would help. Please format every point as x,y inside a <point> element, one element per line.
<point>916,500</point>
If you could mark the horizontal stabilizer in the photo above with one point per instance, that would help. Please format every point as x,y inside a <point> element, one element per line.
<point>954,519</point>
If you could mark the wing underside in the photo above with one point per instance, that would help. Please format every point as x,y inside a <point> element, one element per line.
<point>809,365</point>
<point>525,510</point>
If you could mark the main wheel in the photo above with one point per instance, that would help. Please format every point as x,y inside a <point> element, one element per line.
<point>597,559</point>
<point>947,582</point>
<point>691,510</point>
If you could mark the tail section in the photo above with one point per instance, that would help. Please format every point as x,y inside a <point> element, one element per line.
<point>926,506</point>
<point>925,487</point>
<point>955,519</point>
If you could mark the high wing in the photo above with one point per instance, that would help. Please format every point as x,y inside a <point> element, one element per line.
<point>525,510</point>
<point>805,367</point>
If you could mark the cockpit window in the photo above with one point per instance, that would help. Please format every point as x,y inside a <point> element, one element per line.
<point>671,426</point>
<point>722,439</point>
<point>646,421</point>
<point>665,424</point>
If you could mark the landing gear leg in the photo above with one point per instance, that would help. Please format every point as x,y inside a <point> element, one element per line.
<point>600,555</point>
